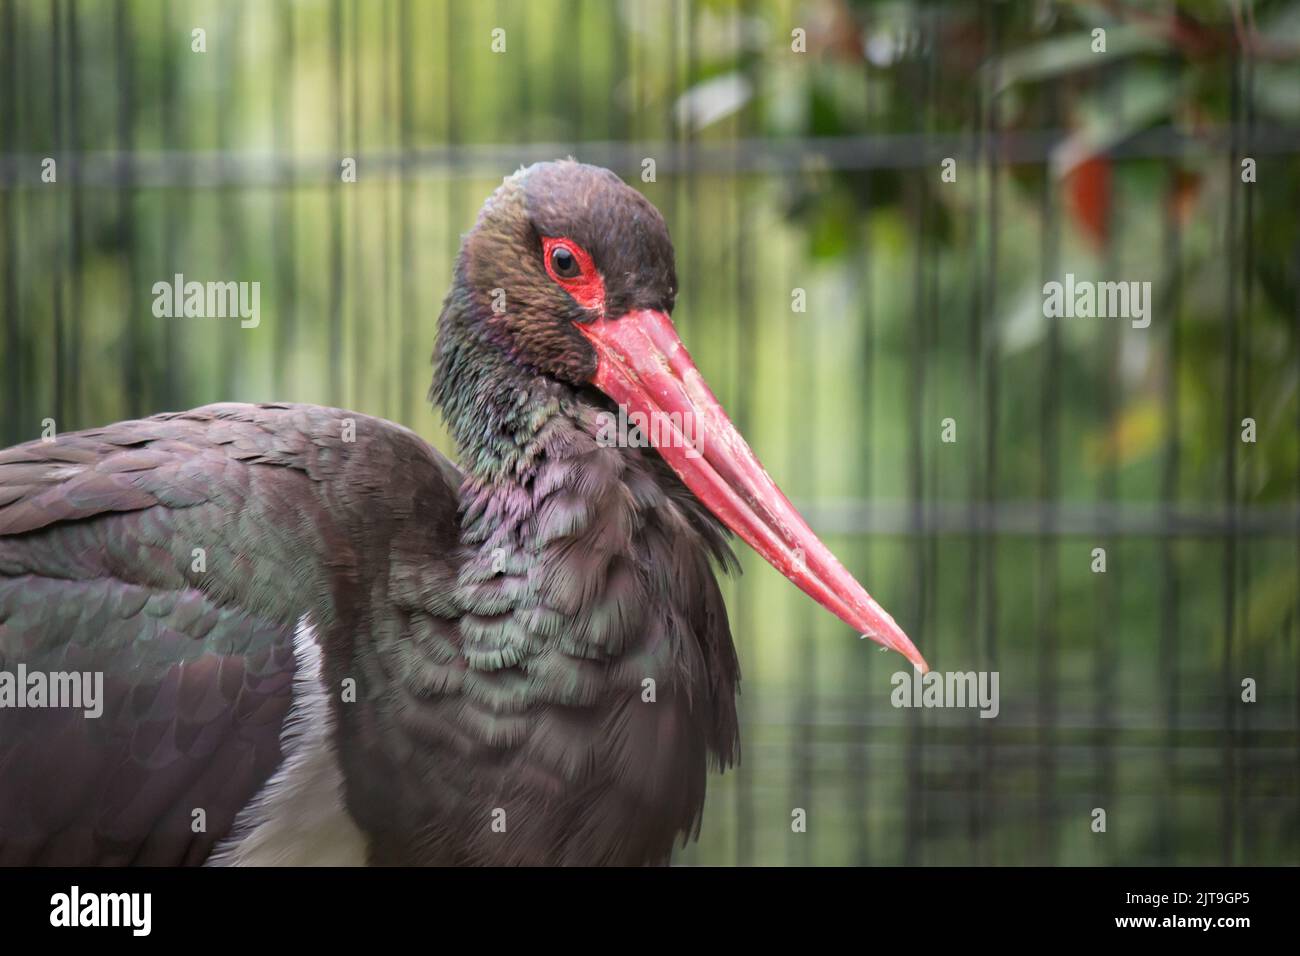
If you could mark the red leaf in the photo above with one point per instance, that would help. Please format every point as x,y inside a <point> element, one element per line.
<point>1088,188</point>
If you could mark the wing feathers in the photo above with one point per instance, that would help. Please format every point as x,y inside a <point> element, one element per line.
<point>174,555</point>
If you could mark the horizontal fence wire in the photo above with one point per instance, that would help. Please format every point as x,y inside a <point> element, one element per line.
<point>218,168</point>
<point>1030,518</point>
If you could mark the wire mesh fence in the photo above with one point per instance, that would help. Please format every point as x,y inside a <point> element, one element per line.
<point>1071,502</point>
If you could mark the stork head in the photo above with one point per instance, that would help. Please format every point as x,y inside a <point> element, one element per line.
<point>568,273</point>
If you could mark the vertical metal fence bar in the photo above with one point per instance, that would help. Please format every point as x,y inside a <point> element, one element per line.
<point>692,178</point>
<point>617,121</point>
<point>797,397</point>
<point>176,201</point>
<point>335,200</point>
<point>932,35</point>
<point>1228,816</point>
<point>989,351</point>
<point>743,615</point>
<point>58,256</point>
<point>1250,831</point>
<point>76,225</point>
<point>524,91</point>
<point>1295,612</point>
<point>673,212</point>
<point>356,263</point>
<point>388,344</point>
<point>913,400</point>
<point>568,69</point>
<point>407,280</point>
<point>690,265</point>
<point>14,425</point>
<point>977,829</point>
<point>802,338</point>
<point>859,768</point>
<point>1109,386</point>
<point>133,376</point>
<point>230,339</point>
<point>285,228</point>
<point>1049,540</point>
<point>638,76</point>
<point>454,133</point>
<point>1168,652</point>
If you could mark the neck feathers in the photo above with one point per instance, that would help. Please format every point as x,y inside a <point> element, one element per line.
<point>498,412</point>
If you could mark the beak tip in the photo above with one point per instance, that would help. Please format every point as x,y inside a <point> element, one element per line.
<point>913,655</point>
<point>901,643</point>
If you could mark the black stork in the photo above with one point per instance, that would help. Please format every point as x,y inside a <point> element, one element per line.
<point>320,641</point>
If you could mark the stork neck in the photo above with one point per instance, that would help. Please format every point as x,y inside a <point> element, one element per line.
<point>499,417</point>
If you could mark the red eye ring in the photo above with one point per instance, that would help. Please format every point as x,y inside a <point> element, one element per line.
<point>574,271</point>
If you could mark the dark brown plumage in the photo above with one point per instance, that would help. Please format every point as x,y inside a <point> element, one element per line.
<point>524,662</point>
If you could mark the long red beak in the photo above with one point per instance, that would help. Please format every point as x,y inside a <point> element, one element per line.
<point>643,366</point>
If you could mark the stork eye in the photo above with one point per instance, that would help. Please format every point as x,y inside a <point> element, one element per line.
<point>565,263</point>
<point>570,265</point>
